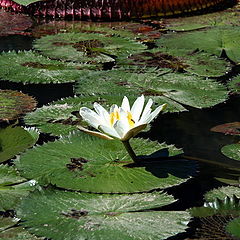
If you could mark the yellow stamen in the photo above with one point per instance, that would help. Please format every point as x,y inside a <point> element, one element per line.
<point>131,122</point>
<point>114,116</point>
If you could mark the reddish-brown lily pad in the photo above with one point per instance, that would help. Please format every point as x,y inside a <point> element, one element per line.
<point>12,23</point>
<point>228,128</point>
<point>14,103</point>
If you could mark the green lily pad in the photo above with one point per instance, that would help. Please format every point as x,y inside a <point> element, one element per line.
<point>12,188</point>
<point>222,193</point>
<point>199,63</point>
<point>14,104</point>
<point>234,84</point>
<point>31,67</point>
<point>9,230</point>
<point>14,140</point>
<point>234,227</point>
<point>232,151</point>
<point>181,88</point>
<point>26,2</point>
<point>90,164</point>
<point>86,47</point>
<point>72,215</point>
<point>213,41</point>
<point>62,117</point>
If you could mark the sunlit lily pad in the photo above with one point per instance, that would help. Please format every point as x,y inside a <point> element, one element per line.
<point>232,151</point>
<point>214,41</point>
<point>62,117</point>
<point>12,188</point>
<point>13,23</point>
<point>222,193</point>
<point>86,47</point>
<point>10,231</point>
<point>234,84</point>
<point>86,163</point>
<point>72,215</point>
<point>30,67</point>
<point>182,88</point>
<point>14,140</point>
<point>14,104</point>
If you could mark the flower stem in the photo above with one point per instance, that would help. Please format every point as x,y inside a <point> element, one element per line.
<point>130,150</point>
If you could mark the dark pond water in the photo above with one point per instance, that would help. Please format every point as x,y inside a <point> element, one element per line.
<point>188,130</point>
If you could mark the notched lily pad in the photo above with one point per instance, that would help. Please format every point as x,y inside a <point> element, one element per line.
<point>72,215</point>
<point>90,164</point>
<point>12,188</point>
<point>14,140</point>
<point>31,67</point>
<point>86,47</point>
<point>183,89</point>
<point>14,104</point>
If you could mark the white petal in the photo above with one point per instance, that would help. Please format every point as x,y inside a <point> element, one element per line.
<point>121,128</point>
<point>125,104</point>
<point>96,134</point>
<point>102,112</point>
<point>146,111</point>
<point>133,132</point>
<point>113,107</point>
<point>156,112</point>
<point>137,108</point>
<point>109,131</point>
<point>90,117</point>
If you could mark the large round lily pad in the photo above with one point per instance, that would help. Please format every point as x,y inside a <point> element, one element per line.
<point>14,104</point>
<point>185,89</point>
<point>14,140</point>
<point>12,188</point>
<point>31,67</point>
<point>86,163</point>
<point>86,47</point>
<point>213,41</point>
<point>62,215</point>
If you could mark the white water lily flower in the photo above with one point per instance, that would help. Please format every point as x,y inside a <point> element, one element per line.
<point>121,122</point>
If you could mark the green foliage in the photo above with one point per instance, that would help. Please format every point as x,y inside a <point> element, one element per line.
<point>179,88</point>
<point>26,2</point>
<point>233,227</point>
<point>14,104</point>
<point>31,67</point>
<point>14,140</point>
<point>86,47</point>
<point>90,164</point>
<point>74,215</point>
<point>12,188</point>
<point>232,151</point>
<point>234,84</point>
<point>214,41</point>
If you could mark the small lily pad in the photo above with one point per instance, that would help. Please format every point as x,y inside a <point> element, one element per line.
<point>14,140</point>
<point>180,88</point>
<point>232,151</point>
<point>86,47</point>
<point>31,67</point>
<point>12,188</point>
<point>14,104</point>
<point>73,215</point>
<point>90,164</point>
